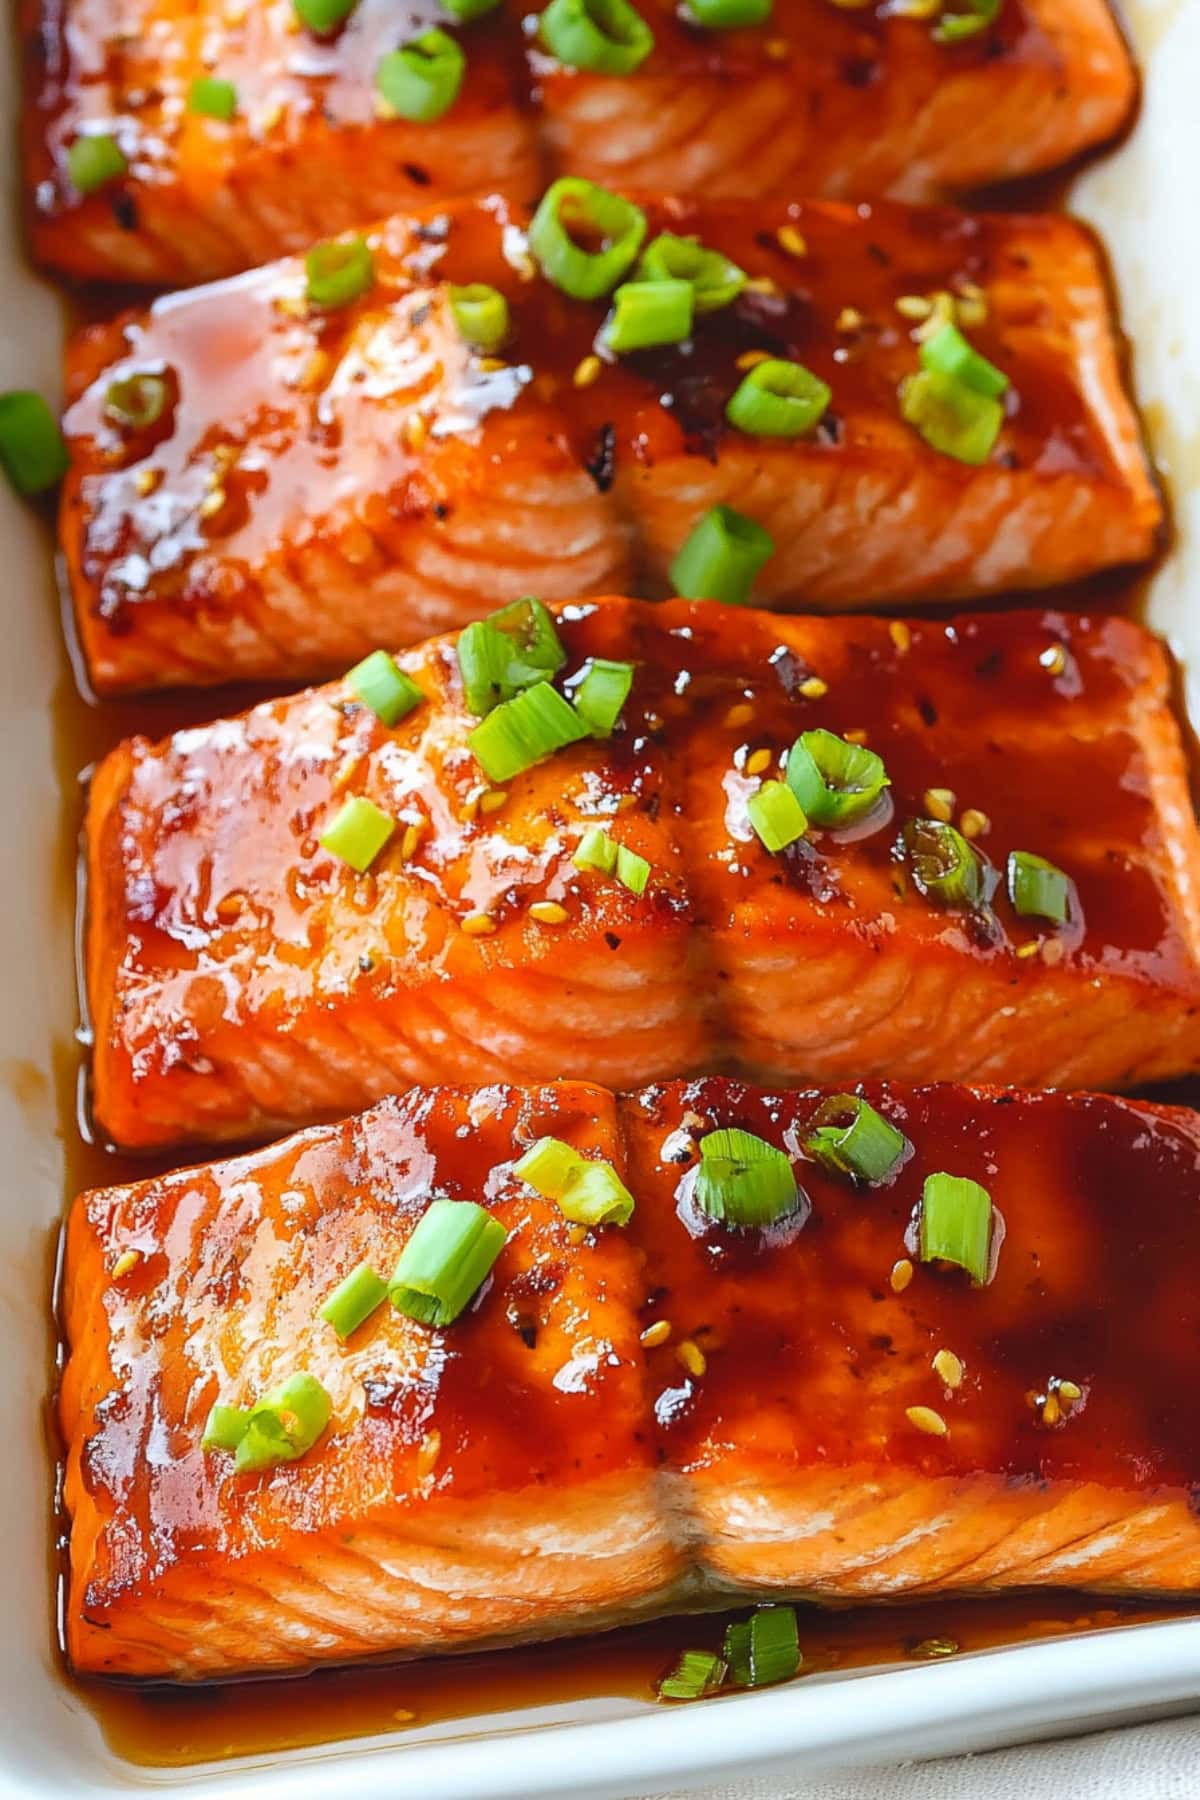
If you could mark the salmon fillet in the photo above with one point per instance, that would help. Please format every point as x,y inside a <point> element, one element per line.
<point>535,1469</point>
<point>241,977</point>
<point>819,101</point>
<point>320,483</point>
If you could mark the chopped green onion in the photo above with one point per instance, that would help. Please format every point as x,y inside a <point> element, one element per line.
<point>573,205</point>
<point>764,1648</point>
<point>956,1224</point>
<point>697,1673</point>
<point>421,81</point>
<point>225,1428</point>
<point>1037,889</point>
<point>587,1192</point>
<point>484,655</point>
<point>715,280</point>
<point>212,98</point>
<point>776,815</point>
<point>33,452</point>
<point>596,850</point>
<point>338,271</point>
<point>136,401</point>
<point>849,1137</point>
<point>633,871</point>
<point>284,1424</point>
<point>481,315</point>
<point>944,866</point>
<point>730,15</point>
<point>604,37</point>
<point>354,1300</point>
<point>323,16</point>
<point>646,313</point>
<point>523,731</point>
<point>466,10</point>
<point>446,1261</point>
<point>835,782</point>
<point>358,834</point>
<point>953,28</point>
<point>513,648</point>
<point>601,692</point>
<point>950,416</point>
<point>743,1180</point>
<point>531,627</point>
<point>720,558</point>
<point>383,688</point>
<point>94,161</point>
<point>778,399</point>
<point>949,352</point>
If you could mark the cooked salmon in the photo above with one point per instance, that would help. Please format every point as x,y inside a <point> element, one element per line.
<point>298,141</point>
<point>820,1413</point>
<point>315,483</point>
<point>241,976</point>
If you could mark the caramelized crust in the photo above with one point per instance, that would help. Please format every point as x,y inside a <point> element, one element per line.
<point>534,1469</point>
<point>321,483</point>
<point>241,977</point>
<point>822,101</point>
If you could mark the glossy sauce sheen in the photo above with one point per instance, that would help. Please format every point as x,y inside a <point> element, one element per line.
<point>777,109</point>
<point>627,1480</point>
<point>320,483</point>
<point>239,975</point>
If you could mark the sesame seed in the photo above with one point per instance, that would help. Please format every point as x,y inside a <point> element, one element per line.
<point>212,503</point>
<point>901,1275</point>
<point>587,370</point>
<point>1030,949</point>
<point>857,734</point>
<point>1054,659</point>
<point>934,1647</point>
<point>416,430</point>
<point>147,480</point>
<point>403,1716</point>
<point>292,306</point>
<point>627,802</point>
<point>493,800</point>
<point>939,804</point>
<point>128,1259</point>
<point>758,761</point>
<point>762,284</point>
<point>346,773</point>
<point>656,1334</point>
<point>750,359</point>
<point>1051,1410</point>
<point>478,924</point>
<point>777,49</point>
<point>231,906</point>
<point>470,807</point>
<point>948,1368</point>
<point>901,636</point>
<point>971,312</point>
<point>1070,1390</point>
<point>974,823</point>
<point>914,306</point>
<point>315,370</point>
<point>488,365</point>
<point>814,688</point>
<point>427,1455</point>
<point>268,120</point>
<point>941,313</point>
<point>791,241</point>
<point>849,319</point>
<point>549,912</point>
<point>408,843</point>
<point>692,1121</point>
<point>692,1357</point>
<point>576,1233</point>
<point>740,714</point>
<point>925,1419</point>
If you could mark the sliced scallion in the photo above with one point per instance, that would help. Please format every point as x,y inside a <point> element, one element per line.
<point>646,313</point>
<point>943,864</point>
<point>588,1192</point>
<point>596,850</point>
<point>848,1136</point>
<point>956,28</point>
<point>354,1300</point>
<point>956,1224</point>
<point>513,648</point>
<point>949,352</point>
<point>137,401</point>
<point>358,833</point>
<point>572,205</point>
<point>33,451</point>
<point>835,782</point>
<point>284,1424</point>
<point>338,271</point>
<point>765,1648</point>
<point>720,558</point>
<point>322,16</point>
<point>225,1428</point>
<point>951,417</point>
<point>470,9</point>
<point>481,314</point>
<point>422,79</point>
<point>212,98</point>
<point>601,692</point>
<point>715,280</point>
<point>446,1261</point>
<point>742,1180</point>
<point>697,1673</point>
<point>602,37</point>
<point>778,399</point>
<point>730,15</point>
<point>633,871</point>
<point>1037,889</point>
<point>95,160</point>
<point>776,815</point>
<point>380,685</point>
<point>523,731</point>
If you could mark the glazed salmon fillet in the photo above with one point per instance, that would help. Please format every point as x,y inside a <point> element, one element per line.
<point>315,483</point>
<point>819,100</point>
<point>242,977</point>
<point>820,1413</point>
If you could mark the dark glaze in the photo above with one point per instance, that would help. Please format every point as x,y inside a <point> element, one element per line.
<point>299,416</point>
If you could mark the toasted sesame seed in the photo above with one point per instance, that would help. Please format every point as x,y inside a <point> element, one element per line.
<point>692,1357</point>
<point>627,802</point>
<point>1054,659</point>
<point>470,807</point>
<point>757,761</point>
<point>478,924</point>
<point>315,370</point>
<point>739,714</point>
<point>128,1259</point>
<point>969,290</point>
<point>549,912</point>
<point>403,1716</point>
<point>849,319</point>
<point>939,804</point>
<point>791,240</point>
<point>231,906</point>
<point>587,370</point>
<point>900,635</point>
<point>762,284</point>
<point>901,1275</point>
<point>813,688</point>
<point>940,1646</point>
<point>948,1368</point>
<point>914,306</point>
<point>493,800</point>
<point>777,49</point>
<point>971,312</point>
<point>292,306</point>
<point>974,823</point>
<point>692,1121</point>
<point>1070,1390</point>
<point>576,1233</point>
<point>489,365</point>
<point>1029,949</point>
<point>926,1420</point>
<point>656,1334</point>
<point>750,359</point>
<point>408,843</point>
<point>857,734</point>
<point>941,313</point>
<point>1051,1410</point>
<point>269,119</point>
<point>212,503</point>
<point>147,480</point>
<point>416,430</point>
<point>346,773</point>
<point>430,1450</point>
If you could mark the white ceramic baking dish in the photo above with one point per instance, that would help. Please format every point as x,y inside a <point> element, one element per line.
<point>1143,200</point>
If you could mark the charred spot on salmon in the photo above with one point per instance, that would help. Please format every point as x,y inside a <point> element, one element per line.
<point>601,465</point>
